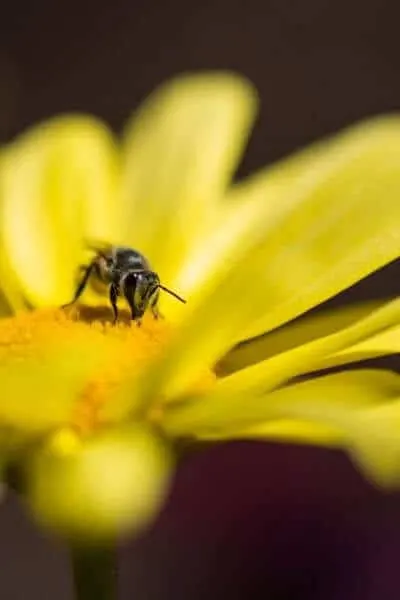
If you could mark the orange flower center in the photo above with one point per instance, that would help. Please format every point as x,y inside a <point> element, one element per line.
<point>129,349</point>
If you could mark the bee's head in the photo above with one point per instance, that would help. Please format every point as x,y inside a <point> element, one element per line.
<point>141,287</point>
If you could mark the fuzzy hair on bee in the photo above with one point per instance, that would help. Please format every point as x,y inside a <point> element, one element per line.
<point>127,273</point>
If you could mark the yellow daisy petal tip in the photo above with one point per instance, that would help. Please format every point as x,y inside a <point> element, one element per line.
<point>58,183</point>
<point>222,99</point>
<point>374,444</point>
<point>68,126</point>
<point>379,124</point>
<point>180,150</point>
<point>204,86</point>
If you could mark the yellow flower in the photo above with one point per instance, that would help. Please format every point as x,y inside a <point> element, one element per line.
<point>88,408</point>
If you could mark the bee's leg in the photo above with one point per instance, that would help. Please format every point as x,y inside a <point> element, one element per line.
<point>79,290</point>
<point>135,313</point>
<point>114,292</point>
<point>154,306</point>
<point>128,288</point>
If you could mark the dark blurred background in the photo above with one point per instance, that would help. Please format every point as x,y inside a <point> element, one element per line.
<point>244,520</point>
<point>318,64</point>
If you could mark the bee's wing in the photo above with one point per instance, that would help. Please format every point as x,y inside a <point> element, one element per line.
<point>98,246</point>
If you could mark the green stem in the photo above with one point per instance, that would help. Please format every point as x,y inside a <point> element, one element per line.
<point>95,573</point>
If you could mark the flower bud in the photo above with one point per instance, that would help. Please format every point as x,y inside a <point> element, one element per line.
<point>100,488</point>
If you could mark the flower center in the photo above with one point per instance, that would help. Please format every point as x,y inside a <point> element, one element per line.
<point>128,349</point>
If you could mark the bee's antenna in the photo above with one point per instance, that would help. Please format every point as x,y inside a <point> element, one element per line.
<point>174,294</point>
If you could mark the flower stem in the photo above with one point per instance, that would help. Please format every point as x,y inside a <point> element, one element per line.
<point>95,573</point>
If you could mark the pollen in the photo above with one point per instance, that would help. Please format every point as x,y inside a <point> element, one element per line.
<point>128,349</point>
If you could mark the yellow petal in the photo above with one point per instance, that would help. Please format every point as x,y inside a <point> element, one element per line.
<point>357,411</point>
<point>368,430</point>
<point>296,431</point>
<point>326,400</point>
<point>335,222</point>
<point>304,224</point>
<point>366,419</point>
<point>11,297</point>
<point>374,443</point>
<point>338,223</point>
<point>212,315</point>
<point>180,152</point>
<point>276,370</point>
<point>57,187</point>
<point>39,391</point>
<point>384,343</point>
<point>113,484</point>
<point>306,329</point>
<point>269,374</point>
<point>294,334</point>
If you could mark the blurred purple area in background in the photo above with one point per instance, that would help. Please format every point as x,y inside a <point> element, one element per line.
<point>244,520</point>
<point>253,521</point>
<point>249,520</point>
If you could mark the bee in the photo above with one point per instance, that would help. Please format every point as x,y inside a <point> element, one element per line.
<point>127,272</point>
